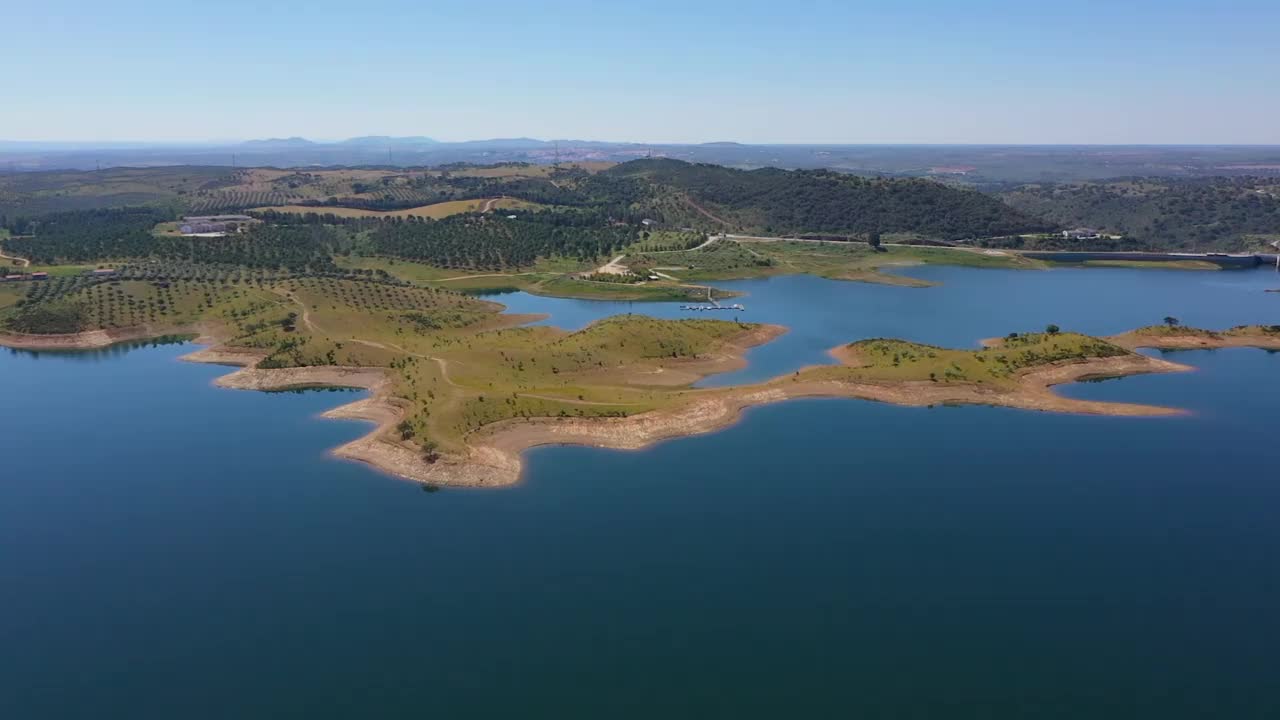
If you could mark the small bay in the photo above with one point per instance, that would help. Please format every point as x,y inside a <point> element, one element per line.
<point>173,549</point>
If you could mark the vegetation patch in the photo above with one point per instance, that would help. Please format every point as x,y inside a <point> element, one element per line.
<point>434,211</point>
<point>900,360</point>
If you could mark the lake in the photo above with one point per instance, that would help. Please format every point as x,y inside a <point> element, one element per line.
<point>169,549</point>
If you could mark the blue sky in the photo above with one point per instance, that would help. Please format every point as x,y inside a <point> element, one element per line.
<point>799,71</point>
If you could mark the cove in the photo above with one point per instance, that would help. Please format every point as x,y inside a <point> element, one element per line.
<point>966,306</point>
<point>171,549</point>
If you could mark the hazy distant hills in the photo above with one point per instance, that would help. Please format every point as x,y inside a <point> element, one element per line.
<point>983,166</point>
<point>292,142</point>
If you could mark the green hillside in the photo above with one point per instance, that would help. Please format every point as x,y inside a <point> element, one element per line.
<point>776,201</point>
<point>1202,214</point>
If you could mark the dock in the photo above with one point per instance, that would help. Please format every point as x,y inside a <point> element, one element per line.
<point>736,306</point>
<point>711,304</point>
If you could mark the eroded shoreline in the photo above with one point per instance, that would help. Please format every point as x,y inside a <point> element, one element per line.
<point>493,456</point>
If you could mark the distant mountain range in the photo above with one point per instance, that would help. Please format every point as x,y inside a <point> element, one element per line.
<point>991,167</point>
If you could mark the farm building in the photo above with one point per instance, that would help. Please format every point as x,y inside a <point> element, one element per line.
<point>1081,234</point>
<point>205,224</point>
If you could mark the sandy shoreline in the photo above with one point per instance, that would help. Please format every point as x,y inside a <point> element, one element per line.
<point>494,452</point>
<point>92,339</point>
<point>1133,341</point>
<point>502,443</point>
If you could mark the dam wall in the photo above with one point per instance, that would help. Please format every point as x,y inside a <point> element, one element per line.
<point>1225,260</point>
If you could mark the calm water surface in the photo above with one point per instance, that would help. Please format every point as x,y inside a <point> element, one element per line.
<point>968,306</point>
<point>173,550</point>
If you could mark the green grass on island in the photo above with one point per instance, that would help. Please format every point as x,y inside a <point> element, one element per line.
<point>1176,330</point>
<point>726,259</point>
<point>883,359</point>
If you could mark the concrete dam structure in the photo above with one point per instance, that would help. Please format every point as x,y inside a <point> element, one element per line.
<point>1247,260</point>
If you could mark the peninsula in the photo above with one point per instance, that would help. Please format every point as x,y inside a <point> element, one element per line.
<point>459,390</point>
<point>375,279</point>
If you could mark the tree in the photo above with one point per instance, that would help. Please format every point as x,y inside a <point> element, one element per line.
<point>1172,321</point>
<point>873,239</point>
<point>1052,329</point>
<point>406,429</point>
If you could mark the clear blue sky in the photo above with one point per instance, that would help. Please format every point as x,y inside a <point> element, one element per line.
<point>782,71</point>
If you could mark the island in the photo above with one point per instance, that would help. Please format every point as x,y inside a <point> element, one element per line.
<point>378,280</point>
<point>458,389</point>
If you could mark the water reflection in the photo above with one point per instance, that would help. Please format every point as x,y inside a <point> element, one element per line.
<point>107,352</point>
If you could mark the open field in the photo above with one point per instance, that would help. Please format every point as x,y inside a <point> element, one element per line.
<point>434,211</point>
<point>546,277</point>
<point>208,189</point>
<point>739,257</point>
<point>528,170</point>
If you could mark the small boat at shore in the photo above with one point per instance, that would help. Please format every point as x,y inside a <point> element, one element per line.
<point>699,308</point>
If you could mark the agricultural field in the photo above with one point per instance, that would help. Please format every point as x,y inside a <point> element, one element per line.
<point>10,294</point>
<point>456,363</point>
<point>37,193</point>
<point>68,305</point>
<point>527,170</point>
<point>548,276</point>
<point>207,190</point>
<point>667,241</point>
<point>228,200</point>
<point>434,211</point>
<point>731,259</point>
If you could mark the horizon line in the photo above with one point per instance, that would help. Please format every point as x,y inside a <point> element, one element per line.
<point>641,143</point>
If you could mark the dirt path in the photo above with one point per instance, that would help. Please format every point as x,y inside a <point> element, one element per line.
<point>703,211</point>
<point>573,401</point>
<point>444,364</point>
<point>710,239</point>
<point>306,314</point>
<point>483,275</point>
<point>21,262</point>
<point>613,267</point>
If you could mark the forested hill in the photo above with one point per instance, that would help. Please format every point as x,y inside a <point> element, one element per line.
<point>770,200</point>
<point>1223,213</point>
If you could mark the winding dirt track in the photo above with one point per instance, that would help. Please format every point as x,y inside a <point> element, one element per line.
<point>21,262</point>
<point>703,211</point>
<point>483,275</point>
<point>572,401</point>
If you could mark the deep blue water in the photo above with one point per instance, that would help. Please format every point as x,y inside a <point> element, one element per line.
<point>169,549</point>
